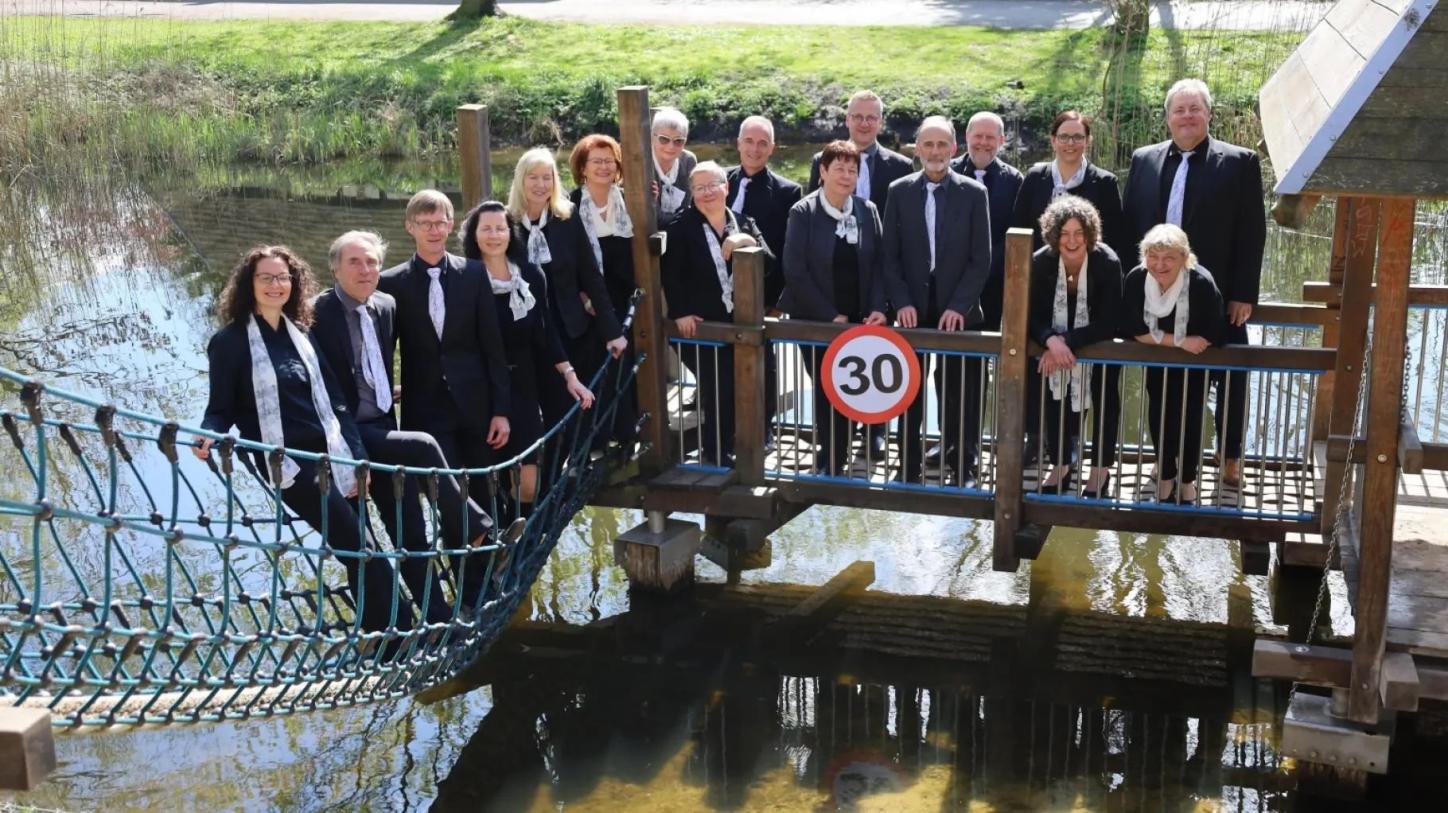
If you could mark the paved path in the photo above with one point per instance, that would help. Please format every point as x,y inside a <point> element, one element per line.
<point>1288,15</point>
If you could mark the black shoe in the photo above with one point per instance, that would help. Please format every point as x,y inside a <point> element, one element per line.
<point>1101,493</point>
<point>877,445</point>
<point>1060,486</point>
<point>932,455</point>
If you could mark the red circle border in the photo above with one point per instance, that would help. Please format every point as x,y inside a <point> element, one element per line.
<point>912,372</point>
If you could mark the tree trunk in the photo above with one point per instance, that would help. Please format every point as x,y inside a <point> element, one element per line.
<point>474,9</point>
<point>1132,17</point>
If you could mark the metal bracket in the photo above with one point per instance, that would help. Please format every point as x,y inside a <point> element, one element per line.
<point>1311,733</point>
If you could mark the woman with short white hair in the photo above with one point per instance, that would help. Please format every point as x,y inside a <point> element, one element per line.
<point>1171,301</point>
<point>558,243</point>
<point>672,163</point>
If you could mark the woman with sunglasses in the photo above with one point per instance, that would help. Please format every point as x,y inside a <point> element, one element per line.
<point>1070,173</point>
<point>672,163</point>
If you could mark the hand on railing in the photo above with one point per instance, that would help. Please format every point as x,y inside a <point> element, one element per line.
<point>616,347</point>
<point>1196,344</point>
<point>201,447</point>
<point>906,317</point>
<point>875,318</point>
<point>1058,356</point>
<point>951,320</point>
<point>688,325</point>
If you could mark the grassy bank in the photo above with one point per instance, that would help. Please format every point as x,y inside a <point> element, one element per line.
<point>165,90</point>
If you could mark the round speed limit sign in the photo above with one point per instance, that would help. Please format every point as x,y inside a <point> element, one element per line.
<point>870,374</point>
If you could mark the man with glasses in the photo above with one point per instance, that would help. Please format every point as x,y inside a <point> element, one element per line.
<point>454,371</point>
<point>879,167</point>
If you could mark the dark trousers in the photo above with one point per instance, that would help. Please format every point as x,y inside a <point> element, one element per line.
<point>461,520</point>
<point>1231,405</point>
<point>465,447</point>
<point>959,382</point>
<point>372,584</point>
<point>831,427</point>
<point>713,368</point>
<point>1063,424</point>
<point>1175,400</point>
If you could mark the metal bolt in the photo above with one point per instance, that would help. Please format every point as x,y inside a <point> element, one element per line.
<point>1348,368</point>
<point>1382,458</point>
<point>1007,515</point>
<point>1013,351</point>
<point>1300,649</point>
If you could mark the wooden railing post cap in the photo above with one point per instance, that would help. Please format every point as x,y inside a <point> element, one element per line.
<point>469,108</point>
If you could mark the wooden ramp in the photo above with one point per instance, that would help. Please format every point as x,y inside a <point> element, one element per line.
<point>1418,596</point>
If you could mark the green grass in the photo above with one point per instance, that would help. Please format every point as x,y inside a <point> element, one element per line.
<point>311,91</point>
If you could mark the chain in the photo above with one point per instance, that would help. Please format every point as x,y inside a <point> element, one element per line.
<point>1344,501</point>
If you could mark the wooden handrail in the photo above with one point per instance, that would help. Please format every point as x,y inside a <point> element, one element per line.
<point>1431,296</point>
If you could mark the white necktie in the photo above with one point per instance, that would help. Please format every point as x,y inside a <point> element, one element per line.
<point>862,183</point>
<point>435,307</point>
<point>738,206</point>
<point>373,370</point>
<point>1178,191</point>
<point>930,219</point>
<point>980,175</point>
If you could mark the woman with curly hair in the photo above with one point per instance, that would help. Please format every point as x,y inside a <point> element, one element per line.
<point>270,382</point>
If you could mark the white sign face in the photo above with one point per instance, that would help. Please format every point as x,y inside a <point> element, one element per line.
<point>870,374</point>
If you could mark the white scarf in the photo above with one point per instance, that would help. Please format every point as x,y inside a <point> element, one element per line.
<point>846,227</point>
<point>269,408</point>
<point>1159,303</point>
<point>1064,187</point>
<point>726,282</point>
<point>612,221</point>
<point>1075,379</point>
<point>671,197</point>
<point>520,295</point>
<point>538,253</point>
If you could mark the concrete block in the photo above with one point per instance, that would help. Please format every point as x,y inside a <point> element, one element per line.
<point>659,560</point>
<point>27,748</point>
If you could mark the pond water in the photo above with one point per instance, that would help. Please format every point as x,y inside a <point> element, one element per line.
<point>1109,674</point>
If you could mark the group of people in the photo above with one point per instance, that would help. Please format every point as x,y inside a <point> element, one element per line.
<point>1175,260</point>
<point>496,343</point>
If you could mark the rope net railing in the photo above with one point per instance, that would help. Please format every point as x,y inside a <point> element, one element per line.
<point>141,585</point>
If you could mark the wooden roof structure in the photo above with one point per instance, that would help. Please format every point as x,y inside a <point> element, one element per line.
<point>1359,107</point>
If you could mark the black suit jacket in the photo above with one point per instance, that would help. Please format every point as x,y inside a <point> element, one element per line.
<point>767,200</point>
<point>467,367</point>
<point>962,247</point>
<point>334,341</point>
<point>573,270</point>
<point>809,260</point>
<point>886,167</point>
<point>1002,183</point>
<point>1099,187</point>
<point>232,401</point>
<point>691,286</point>
<point>1223,213</point>
<point>1103,298</point>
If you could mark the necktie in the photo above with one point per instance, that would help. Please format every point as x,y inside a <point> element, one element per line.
<point>435,308</point>
<point>1178,191</point>
<point>738,206</point>
<point>980,175</point>
<point>930,190</point>
<point>862,183</point>
<point>373,370</point>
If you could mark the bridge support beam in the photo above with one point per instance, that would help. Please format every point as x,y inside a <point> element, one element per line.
<point>27,748</point>
<point>658,556</point>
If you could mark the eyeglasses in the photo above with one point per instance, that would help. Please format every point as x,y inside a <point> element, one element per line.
<point>433,225</point>
<point>706,186</point>
<point>862,118</point>
<point>601,162</point>
<point>268,280</point>
<point>665,141</point>
<point>1074,138</point>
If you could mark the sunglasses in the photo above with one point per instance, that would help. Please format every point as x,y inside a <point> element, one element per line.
<point>665,141</point>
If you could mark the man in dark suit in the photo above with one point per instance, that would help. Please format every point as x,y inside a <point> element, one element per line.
<point>755,190</point>
<point>936,263</point>
<point>455,383</point>
<point>984,137</point>
<point>1213,191</point>
<point>354,330</point>
<point>879,167</point>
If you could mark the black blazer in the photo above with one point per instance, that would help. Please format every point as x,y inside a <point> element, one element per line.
<point>618,264</point>
<point>691,286</point>
<point>886,167</point>
<point>1208,316</point>
<point>768,200</point>
<point>573,269</point>
<point>232,401</point>
<point>1002,184</point>
<point>1099,187</point>
<point>1223,213</point>
<point>1103,298</point>
<point>809,260</point>
<point>962,247</point>
<point>334,341</point>
<point>468,366</point>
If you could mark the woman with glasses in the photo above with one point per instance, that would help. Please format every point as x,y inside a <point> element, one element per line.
<point>697,270</point>
<point>269,380</point>
<point>544,227</point>
<point>1070,173</point>
<point>672,163</point>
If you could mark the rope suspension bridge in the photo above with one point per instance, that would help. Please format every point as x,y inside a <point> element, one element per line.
<point>163,589</point>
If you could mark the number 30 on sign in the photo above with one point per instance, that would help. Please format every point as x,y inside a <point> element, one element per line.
<point>870,374</point>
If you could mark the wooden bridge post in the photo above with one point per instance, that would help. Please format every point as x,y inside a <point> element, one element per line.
<point>475,154</point>
<point>27,748</point>
<point>634,121</point>
<point>1357,287</point>
<point>1332,327</point>
<point>1380,471</point>
<point>750,354</point>
<point>1011,372</point>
